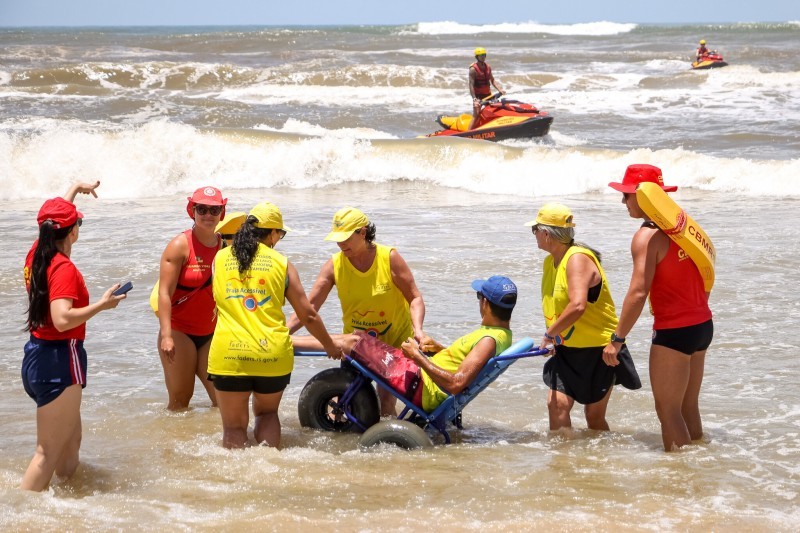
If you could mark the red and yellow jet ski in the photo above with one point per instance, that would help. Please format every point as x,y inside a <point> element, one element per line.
<point>709,60</point>
<point>500,119</point>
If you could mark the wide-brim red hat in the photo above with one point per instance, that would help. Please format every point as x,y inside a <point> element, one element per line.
<point>636,174</point>
<point>206,196</point>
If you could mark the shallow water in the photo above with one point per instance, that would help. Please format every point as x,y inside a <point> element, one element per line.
<point>146,468</point>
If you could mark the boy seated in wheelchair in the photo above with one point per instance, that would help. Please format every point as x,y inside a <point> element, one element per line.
<point>428,381</point>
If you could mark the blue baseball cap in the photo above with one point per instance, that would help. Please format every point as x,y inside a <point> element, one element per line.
<point>499,290</point>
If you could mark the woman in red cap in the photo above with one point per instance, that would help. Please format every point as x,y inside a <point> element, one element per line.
<point>682,324</point>
<point>186,310</point>
<point>54,366</point>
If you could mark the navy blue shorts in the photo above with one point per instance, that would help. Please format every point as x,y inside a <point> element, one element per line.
<point>257,384</point>
<point>49,367</point>
<point>688,340</point>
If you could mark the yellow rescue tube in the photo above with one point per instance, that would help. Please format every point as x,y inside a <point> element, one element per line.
<point>679,227</point>
<point>154,299</point>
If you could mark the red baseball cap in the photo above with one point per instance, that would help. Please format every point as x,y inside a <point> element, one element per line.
<point>207,196</point>
<point>60,212</point>
<point>636,174</point>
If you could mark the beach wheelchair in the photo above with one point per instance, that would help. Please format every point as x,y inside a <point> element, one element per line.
<point>343,400</point>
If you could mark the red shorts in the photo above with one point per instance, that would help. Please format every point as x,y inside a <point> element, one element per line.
<point>389,363</point>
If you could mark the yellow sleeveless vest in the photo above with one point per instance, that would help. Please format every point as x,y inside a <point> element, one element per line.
<point>598,322</point>
<point>451,358</point>
<point>370,300</point>
<point>251,337</point>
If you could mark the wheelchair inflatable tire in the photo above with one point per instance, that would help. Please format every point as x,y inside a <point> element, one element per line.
<point>315,406</point>
<point>401,433</point>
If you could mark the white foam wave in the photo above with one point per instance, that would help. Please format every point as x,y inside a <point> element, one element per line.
<point>166,158</point>
<point>305,128</point>
<point>587,28</point>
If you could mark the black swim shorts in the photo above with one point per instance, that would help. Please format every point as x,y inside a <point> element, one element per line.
<point>688,340</point>
<point>257,384</point>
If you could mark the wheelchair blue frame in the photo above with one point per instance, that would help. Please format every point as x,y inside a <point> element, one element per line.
<point>450,410</point>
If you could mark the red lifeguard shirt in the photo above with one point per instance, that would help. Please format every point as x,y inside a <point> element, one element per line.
<point>197,314</point>
<point>677,294</point>
<point>63,281</point>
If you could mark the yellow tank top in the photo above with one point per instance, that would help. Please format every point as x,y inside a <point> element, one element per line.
<point>598,322</point>
<point>251,337</point>
<point>451,358</point>
<point>370,300</point>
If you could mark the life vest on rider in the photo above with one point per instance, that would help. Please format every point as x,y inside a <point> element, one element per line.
<point>482,79</point>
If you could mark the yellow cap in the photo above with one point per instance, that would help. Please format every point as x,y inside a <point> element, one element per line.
<point>231,223</point>
<point>345,222</point>
<point>702,41</point>
<point>268,216</point>
<point>557,215</point>
<point>480,51</point>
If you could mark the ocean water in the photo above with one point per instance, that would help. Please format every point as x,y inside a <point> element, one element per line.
<point>315,118</point>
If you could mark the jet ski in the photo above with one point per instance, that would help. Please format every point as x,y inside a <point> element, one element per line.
<point>500,119</point>
<point>709,60</point>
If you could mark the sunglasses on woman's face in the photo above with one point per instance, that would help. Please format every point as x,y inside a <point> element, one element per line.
<point>214,210</point>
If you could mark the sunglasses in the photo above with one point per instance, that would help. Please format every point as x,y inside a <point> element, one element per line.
<point>79,222</point>
<point>214,210</point>
<point>282,233</point>
<point>534,229</point>
<point>480,296</point>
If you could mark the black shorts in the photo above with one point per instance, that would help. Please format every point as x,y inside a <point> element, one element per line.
<point>688,340</point>
<point>581,373</point>
<point>257,384</point>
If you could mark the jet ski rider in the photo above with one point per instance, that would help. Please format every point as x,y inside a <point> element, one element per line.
<point>480,78</point>
<point>702,51</point>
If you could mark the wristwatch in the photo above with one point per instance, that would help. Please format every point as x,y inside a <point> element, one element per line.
<point>614,338</point>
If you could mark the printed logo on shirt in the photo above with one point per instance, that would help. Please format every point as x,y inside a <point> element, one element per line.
<point>373,332</point>
<point>373,322</point>
<point>381,288</point>
<point>249,301</point>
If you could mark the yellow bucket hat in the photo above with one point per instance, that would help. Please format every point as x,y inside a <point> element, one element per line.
<point>345,222</point>
<point>554,214</point>
<point>231,223</point>
<point>268,216</point>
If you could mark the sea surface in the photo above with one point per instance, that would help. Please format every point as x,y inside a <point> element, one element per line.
<point>316,118</point>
